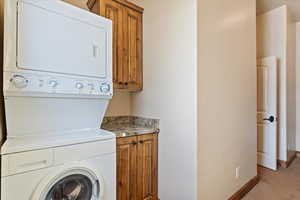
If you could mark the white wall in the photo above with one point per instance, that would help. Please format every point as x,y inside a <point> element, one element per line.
<point>291,86</point>
<point>298,83</point>
<point>224,88</point>
<point>276,32</point>
<point>170,70</point>
<point>120,105</point>
<point>272,41</point>
<point>226,96</point>
<point>2,117</point>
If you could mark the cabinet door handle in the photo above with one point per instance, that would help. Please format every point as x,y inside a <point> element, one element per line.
<point>141,142</point>
<point>134,143</point>
<point>120,83</point>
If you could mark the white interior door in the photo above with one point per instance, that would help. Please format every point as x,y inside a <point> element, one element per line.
<point>267,112</point>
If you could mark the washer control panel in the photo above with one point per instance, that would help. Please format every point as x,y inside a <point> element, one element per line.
<point>36,83</point>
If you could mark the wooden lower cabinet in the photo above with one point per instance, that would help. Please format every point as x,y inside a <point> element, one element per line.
<point>137,168</point>
<point>126,168</point>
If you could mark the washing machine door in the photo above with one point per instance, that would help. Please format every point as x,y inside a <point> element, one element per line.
<point>76,182</point>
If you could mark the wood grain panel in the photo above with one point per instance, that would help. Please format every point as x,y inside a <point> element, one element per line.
<point>130,5</point>
<point>147,167</point>
<point>79,3</point>
<point>94,6</point>
<point>114,11</point>
<point>126,168</point>
<point>133,44</point>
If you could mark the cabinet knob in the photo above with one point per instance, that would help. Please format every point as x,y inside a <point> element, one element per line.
<point>120,83</point>
<point>141,142</point>
<point>126,83</point>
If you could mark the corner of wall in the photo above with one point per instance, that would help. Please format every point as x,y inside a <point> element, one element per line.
<point>2,114</point>
<point>298,86</point>
<point>120,104</point>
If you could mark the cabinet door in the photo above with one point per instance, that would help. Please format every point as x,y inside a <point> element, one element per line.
<point>147,167</point>
<point>115,11</point>
<point>126,168</point>
<point>93,6</point>
<point>78,3</point>
<point>134,50</point>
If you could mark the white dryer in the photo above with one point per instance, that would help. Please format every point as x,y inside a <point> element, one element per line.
<point>57,85</point>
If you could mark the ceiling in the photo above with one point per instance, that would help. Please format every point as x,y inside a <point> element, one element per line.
<point>267,5</point>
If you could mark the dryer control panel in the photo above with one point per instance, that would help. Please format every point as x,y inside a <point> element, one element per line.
<point>25,84</point>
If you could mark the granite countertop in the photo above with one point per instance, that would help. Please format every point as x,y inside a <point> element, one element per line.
<point>127,126</point>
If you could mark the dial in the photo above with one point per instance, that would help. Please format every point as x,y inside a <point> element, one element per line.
<point>79,85</point>
<point>53,83</point>
<point>19,81</point>
<point>105,88</point>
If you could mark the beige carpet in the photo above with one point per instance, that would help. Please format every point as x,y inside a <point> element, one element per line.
<point>281,185</point>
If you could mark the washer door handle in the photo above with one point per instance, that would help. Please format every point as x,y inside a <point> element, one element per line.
<point>98,188</point>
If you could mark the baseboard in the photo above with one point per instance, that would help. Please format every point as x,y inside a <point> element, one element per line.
<point>286,164</point>
<point>282,163</point>
<point>245,189</point>
<point>292,159</point>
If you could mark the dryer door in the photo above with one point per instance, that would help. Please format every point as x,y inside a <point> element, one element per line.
<point>72,183</point>
<point>55,37</point>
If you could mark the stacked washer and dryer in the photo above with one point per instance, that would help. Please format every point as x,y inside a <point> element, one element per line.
<point>57,85</point>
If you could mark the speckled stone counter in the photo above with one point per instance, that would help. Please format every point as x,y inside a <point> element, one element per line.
<point>126,126</point>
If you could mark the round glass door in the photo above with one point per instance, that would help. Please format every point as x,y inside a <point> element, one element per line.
<point>73,187</point>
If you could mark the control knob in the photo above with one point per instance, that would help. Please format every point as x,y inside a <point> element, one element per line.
<point>19,81</point>
<point>53,83</point>
<point>105,88</point>
<point>79,85</point>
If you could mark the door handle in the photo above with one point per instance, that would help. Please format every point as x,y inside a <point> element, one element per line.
<point>270,119</point>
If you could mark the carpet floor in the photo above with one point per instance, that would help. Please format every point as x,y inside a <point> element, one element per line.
<point>281,185</point>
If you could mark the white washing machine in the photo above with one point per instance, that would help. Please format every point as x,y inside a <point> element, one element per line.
<point>82,171</point>
<point>57,85</point>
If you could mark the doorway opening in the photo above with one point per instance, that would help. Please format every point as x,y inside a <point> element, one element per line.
<point>277,33</point>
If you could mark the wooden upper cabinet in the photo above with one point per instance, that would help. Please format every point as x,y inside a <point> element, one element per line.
<point>126,168</point>
<point>147,167</point>
<point>127,41</point>
<point>93,6</point>
<point>133,50</point>
<point>114,11</point>
<point>79,3</point>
